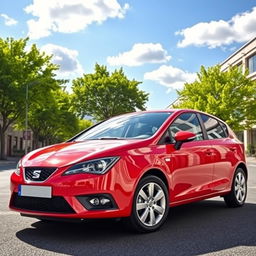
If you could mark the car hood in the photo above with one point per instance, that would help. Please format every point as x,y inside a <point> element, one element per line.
<point>63,154</point>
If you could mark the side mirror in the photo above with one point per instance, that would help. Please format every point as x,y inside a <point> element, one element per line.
<point>181,137</point>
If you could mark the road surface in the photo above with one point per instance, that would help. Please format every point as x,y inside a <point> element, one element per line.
<point>203,228</point>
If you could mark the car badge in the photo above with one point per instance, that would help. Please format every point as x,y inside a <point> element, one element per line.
<point>36,174</point>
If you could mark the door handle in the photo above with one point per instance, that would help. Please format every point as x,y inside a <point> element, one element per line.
<point>233,149</point>
<point>209,152</point>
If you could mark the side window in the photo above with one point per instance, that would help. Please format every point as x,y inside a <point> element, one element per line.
<point>213,128</point>
<point>225,129</point>
<point>186,122</point>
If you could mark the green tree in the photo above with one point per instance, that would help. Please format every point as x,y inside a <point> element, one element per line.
<point>84,124</point>
<point>53,120</point>
<point>21,67</point>
<point>103,95</point>
<point>229,95</point>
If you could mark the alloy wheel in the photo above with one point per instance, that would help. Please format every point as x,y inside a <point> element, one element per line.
<point>240,187</point>
<point>150,204</point>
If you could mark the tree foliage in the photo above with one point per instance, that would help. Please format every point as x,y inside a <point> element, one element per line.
<point>53,119</point>
<point>229,95</point>
<point>21,67</point>
<point>103,95</point>
<point>84,124</point>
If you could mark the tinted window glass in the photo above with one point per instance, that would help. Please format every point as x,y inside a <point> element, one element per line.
<point>186,122</point>
<point>225,129</point>
<point>134,126</point>
<point>213,128</point>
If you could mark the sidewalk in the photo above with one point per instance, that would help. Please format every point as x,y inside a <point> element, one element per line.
<point>250,160</point>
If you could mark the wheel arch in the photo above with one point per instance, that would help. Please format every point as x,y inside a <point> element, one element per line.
<point>243,166</point>
<point>158,173</point>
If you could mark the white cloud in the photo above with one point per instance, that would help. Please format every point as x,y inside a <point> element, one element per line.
<point>65,58</point>
<point>68,16</point>
<point>240,28</point>
<point>232,49</point>
<point>8,21</point>
<point>139,55</point>
<point>171,77</point>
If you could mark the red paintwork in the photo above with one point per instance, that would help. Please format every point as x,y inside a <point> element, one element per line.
<point>183,136</point>
<point>199,170</point>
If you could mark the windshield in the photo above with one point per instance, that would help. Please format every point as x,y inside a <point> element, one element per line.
<point>135,126</point>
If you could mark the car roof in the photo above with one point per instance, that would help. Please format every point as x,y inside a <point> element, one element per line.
<point>173,110</point>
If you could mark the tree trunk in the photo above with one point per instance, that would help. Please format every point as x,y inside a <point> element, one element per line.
<point>35,140</point>
<point>2,147</point>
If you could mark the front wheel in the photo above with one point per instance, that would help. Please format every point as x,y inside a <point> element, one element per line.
<point>150,204</point>
<point>238,192</point>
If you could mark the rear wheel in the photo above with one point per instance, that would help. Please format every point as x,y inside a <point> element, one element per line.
<point>150,204</point>
<point>238,193</point>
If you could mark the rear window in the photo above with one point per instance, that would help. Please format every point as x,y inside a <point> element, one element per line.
<point>214,128</point>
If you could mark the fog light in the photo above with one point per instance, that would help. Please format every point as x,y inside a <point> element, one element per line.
<point>104,201</point>
<point>95,201</point>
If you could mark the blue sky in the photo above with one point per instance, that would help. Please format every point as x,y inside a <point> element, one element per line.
<point>161,43</point>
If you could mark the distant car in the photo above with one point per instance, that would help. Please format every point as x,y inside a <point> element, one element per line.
<point>134,165</point>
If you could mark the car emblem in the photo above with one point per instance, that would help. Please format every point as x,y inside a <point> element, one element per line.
<point>36,174</point>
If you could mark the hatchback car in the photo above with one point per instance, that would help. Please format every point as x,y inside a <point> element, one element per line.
<point>136,166</point>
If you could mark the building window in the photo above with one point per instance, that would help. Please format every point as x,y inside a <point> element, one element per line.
<point>252,64</point>
<point>16,142</point>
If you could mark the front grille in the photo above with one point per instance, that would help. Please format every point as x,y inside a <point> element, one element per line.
<point>38,173</point>
<point>56,204</point>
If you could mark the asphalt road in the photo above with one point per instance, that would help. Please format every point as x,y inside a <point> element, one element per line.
<point>203,228</point>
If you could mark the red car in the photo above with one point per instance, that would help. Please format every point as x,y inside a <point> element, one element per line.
<point>134,165</point>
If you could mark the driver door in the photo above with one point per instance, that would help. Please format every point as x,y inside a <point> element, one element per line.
<point>192,165</point>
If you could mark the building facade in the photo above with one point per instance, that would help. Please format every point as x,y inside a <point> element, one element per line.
<point>245,58</point>
<point>15,142</point>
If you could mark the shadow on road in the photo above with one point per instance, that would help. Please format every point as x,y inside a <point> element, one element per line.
<point>193,229</point>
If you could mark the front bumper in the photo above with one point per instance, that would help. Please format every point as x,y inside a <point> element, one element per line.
<point>68,190</point>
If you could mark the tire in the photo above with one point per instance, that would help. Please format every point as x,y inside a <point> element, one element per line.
<point>238,193</point>
<point>150,205</point>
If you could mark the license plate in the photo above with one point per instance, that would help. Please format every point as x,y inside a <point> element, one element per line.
<point>35,191</point>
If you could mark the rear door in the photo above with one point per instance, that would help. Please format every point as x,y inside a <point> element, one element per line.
<point>224,151</point>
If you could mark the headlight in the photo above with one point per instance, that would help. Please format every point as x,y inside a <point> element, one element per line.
<point>17,170</point>
<point>96,166</point>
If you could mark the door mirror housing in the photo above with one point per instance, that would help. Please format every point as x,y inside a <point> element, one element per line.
<point>182,137</point>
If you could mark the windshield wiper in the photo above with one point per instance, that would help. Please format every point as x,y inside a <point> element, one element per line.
<point>110,138</point>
